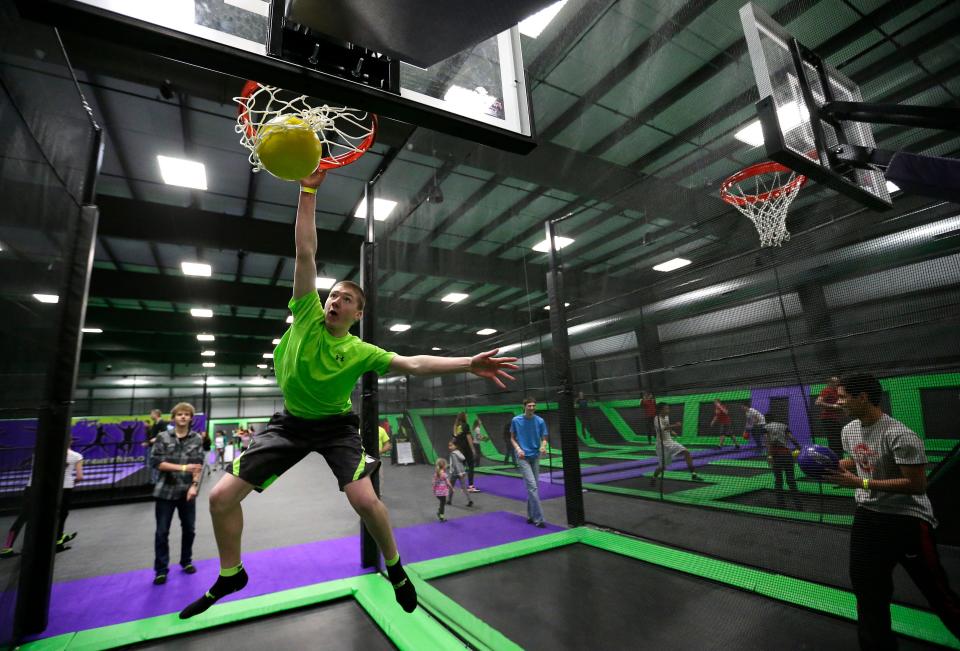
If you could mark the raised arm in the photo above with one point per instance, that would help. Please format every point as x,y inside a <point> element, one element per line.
<point>305,235</point>
<point>484,365</point>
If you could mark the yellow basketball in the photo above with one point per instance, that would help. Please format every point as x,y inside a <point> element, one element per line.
<point>288,148</point>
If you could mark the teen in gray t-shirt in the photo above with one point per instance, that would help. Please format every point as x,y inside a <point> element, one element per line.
<point>878,450</point>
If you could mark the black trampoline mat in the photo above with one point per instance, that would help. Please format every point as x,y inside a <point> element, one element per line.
<point>767,497</point>
<point>581,597</point>
<point>732,471</point>
<point>603,461</point>
<point>644,484</point>
<point>340,625</point>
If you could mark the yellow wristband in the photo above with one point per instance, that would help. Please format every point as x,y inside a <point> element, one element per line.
<point>303,188</point>
<point>866,484</point>
<point>183,468</point>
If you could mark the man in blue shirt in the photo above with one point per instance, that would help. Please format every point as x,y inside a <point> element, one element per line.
<point>528,435</point>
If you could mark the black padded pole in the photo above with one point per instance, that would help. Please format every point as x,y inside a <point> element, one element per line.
<point>369,407</point>
<point>568,421</point>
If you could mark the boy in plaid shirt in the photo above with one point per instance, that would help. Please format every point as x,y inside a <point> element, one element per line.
<point>178,457</point>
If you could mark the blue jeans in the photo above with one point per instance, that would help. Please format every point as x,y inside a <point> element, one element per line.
<point>531,477</point>
<point>161,540</point>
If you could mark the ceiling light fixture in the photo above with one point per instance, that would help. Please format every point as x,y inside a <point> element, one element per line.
<point>671,265</point>
<point>196,269</point>
<point>183,173</point>
<point>544,246</point>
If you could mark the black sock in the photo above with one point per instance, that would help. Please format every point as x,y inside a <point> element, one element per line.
<point>225,585</point>
<point>403,586</point>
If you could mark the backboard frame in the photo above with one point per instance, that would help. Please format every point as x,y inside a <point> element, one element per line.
<point>808,71</point>
<point>239,61</point>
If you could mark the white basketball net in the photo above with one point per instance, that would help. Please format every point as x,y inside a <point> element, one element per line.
<point>345,133</point>
<point>766,203</point>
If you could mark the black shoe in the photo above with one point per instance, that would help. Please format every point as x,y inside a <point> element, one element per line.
<point>529,521</point>
<point>160,579</point>
<point>7,552</point>
<point>469,502</point>
<point>189,569</point>
<point>68,537</point>
<point>540,525</point>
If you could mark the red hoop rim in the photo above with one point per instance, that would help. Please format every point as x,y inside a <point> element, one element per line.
<point>766,167</point>
<point>326,163</point>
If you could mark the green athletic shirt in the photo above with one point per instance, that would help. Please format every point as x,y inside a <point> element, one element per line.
<point>317,371</point>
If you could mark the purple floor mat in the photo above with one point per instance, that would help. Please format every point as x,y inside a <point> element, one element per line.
<point>112,599</point>
<point>513,487</point>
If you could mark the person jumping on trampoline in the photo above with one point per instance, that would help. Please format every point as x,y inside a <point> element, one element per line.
<point>318,363</point>
<point>667,448</point>
<point>754,424</point>
<point>721,417</point>
<point>780,458</point>
<point>893,524</point>
<point>442,488</point>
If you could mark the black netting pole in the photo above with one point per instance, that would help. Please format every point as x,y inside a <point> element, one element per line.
<point>369,409</point>
<point>568,419</point>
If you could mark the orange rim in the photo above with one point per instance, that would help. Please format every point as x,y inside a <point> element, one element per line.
<point>326,163</point>
<point>767,167</point>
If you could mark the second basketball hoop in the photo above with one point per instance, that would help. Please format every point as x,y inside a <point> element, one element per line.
<point>770,189</point>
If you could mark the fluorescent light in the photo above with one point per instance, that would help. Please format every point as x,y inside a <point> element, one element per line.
<point>561,242</point>
<point>326,283</point>
<point>465,100</point>
<point>208,353</point>
<point>486,331</point>
<point>290,319</point>
<point>547,307</point>
<point>209,364</point>
<point>268,355</point>
<point>670,265</point>
<point>790,116</point>
<point>454,297</point>
<point>132,382</point>
<point>275,342</point>
<point>196,269</point>
<point>93,331</point>
<point>400,327</point>
<point>206,338</point>
<point>260,380</point>
<point>209,381</point>
<point>182,172</point>
<point>258,7</point>
<point>436,348</point>
<point>262,366</point>
<point>892,187</point>
<point>47,298</point>
<point>381,209</point>
<point>533,25</point>
<point>202,312</point>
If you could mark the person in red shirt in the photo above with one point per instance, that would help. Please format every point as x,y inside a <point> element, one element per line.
<point>649,406</point>
<point>721,417</point>
<point>832,415</point>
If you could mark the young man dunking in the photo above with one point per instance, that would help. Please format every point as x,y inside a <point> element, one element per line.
<point>317,414</point>
<point>894,520</point>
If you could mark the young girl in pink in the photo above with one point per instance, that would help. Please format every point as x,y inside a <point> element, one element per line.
<point>441,486</point>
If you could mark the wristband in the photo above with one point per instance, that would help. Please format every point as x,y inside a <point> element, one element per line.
<point>304,188</point>
<point>183,468</point>
<point>866,484</point>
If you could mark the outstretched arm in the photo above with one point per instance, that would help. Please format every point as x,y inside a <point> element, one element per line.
<point>484,365</point>
<point>305,269</point>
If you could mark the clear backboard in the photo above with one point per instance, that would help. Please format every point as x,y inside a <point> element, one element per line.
<point>794,83</point>
<point>478,93</point>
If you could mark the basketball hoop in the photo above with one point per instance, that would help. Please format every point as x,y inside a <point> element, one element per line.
<point>774,189</point>
<point>345,134</point>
